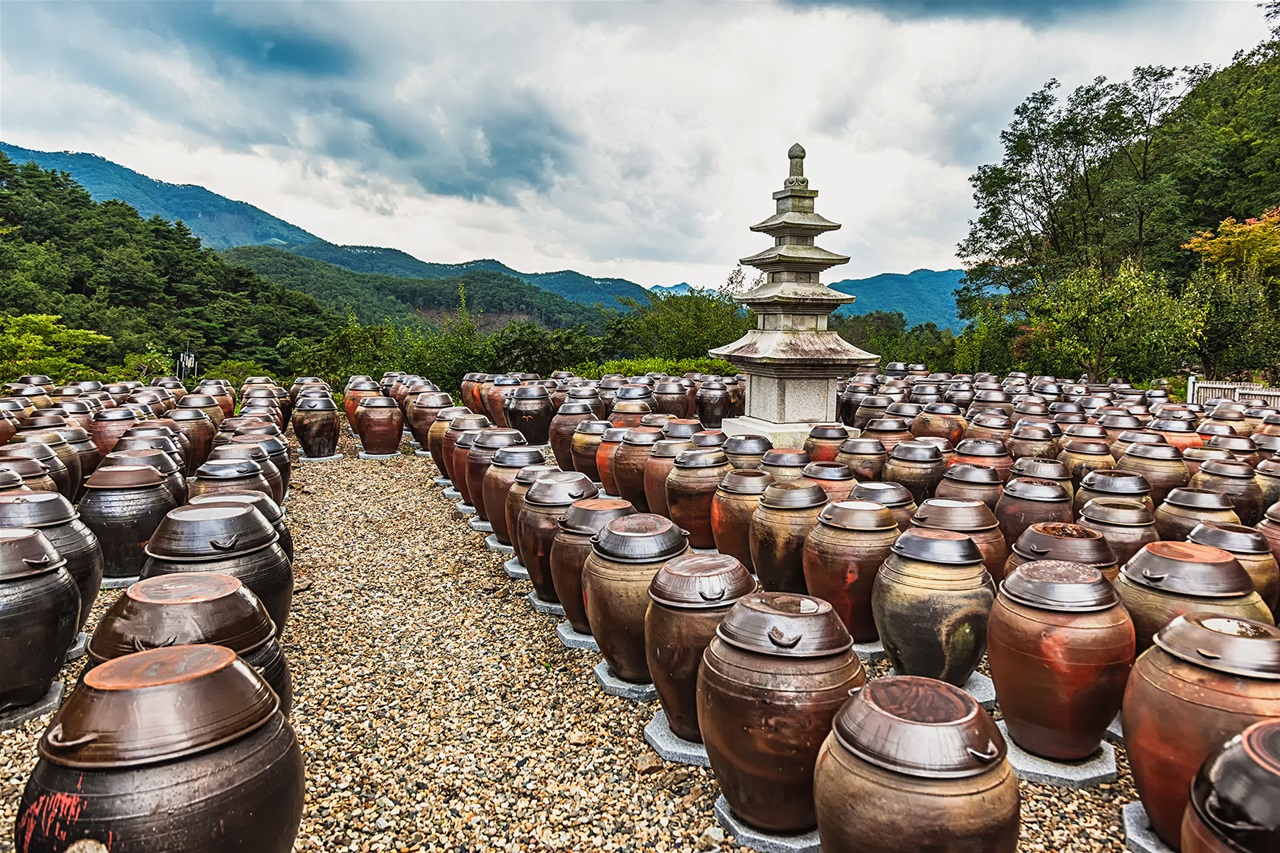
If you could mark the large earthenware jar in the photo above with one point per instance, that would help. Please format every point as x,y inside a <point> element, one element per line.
<point>495,399</point>
<point>943,420</point>
<point>1267,476</point>
<point>671,398</point>
<point>1160,465</point>
<point>865,457</point>
<point>354,394</point>
<point>175,749</point>
<point>1029,501</point>
<point>770,684</point>
<point>199,430</point>
<point>1234,795</point>
<point>784,463</point>
<point>529,410</point>
<point>436,435</point>
<point>625,556</point>
<point>233,539</point>
<point>735,503</point>
<point>972,518</point>
<point>380,425</point>
<point>39,615</point>
<point>249,453</point>
<point>583,445</point>
<point>1033,440</point>
<point>834,478</point>
<point>1168,579</point>
<point>270,510</point>
<point>1082,455</point>
<point>222,475</point>
<point>108,425</point>
<point>563,428</point>
<point>894,496</point>
<point>629,461</point>
<point>1270,528</point>
<point>458,424</point>
<point>571,547</point>
<point>422,413</point>
<point>990,425</point>
<point>841,557</point>
<point>779,527</point>
<point>1038,468</point>
<point>123,507</point>
<point>498,479</point>
<point>659,464</point>
<point>980,451</point>
<point>45,442</point>
<point>1206,679</point>
<point>315,424</point>
<point>33,474</point>
<point>53,516</point>
<point>1114,483</point>
<point>1183,509</point>
<point>480,458</point>
<point>930,601</point>
<point>1054,540</point>
<point>524,479</point>
<point>1126,524</point>
<point>547,499</point>
<point>890,432</point>
<point>1251,551</point>
<point>823,442</point>
<point>42,453</point>
<point>1235,480</point>
<point>471,382</point>
<point>1060,645</point>
<point>915,764</point>
<point>458,464</point>
<point>870,408</point>
<point>691,489</point>
<point>606,453</point>
<point>713,404</point>
<point>190,609</point>
<point>746,452</point>
<point>971,482</point>
<point>689,596</point>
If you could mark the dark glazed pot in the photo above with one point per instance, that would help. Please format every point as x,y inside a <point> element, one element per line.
<point>746,452</point>
<point>269,509</point>
<point>779,526</point>
<point>732,509</point>
<point>914,764</point>
<point>975,520</point>
<point>917,466</point>
<point>545,503</point>
<point>525,478</point>
<point>1082,455</point>
<point>479,459</point>
<point>1234,479</point>
<point>529,410</point>
<point>930,601</point>
<point>834,478</point>
<point>713,404</point>
<point>971,482</point>
<point>222,475</point>
<point>1160,465</point>
<point>841,557</point>
<point>422,411</point>
<point>123,507</point>
<point>1206,679</point>
<point>629,461</point>
<point>671,398</point>
<point>1113,483</point>
<point>199,430</point>
<point>52,515</point>
<point>689,596</point>
<point>1183,509</point>
<point>823,442</point>
<point>1126,524</point>
<point>149,759</point>
<point>39,616</point>
<point>1060,646</point>
<point>38,452</point>
<point>770,684</point>
<point>1251,551</point>
<point>864,456</point>
<point>691,491</point>
<point>315,424</point>
<point>571,547</point>
<point>108,425</point>
<point>253,454</point>
<point>497,482</point>
<point>1234,796</point>
<point>659,464</point>
<point>1026,502</point>
<point>380,425</point>
<point>563,428</point>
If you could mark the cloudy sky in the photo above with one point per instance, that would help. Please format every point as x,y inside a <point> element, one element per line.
<point>616,138</point>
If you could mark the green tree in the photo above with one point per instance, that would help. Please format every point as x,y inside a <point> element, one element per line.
<point>38,343</point>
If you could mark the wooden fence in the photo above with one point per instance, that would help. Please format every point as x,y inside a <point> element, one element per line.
<point>1199,390</point>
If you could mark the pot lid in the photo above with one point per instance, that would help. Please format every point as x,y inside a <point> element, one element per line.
<point>118,414</point>
<point>943,409</point>
<point>1087,447</point>
<point>1188,569</point>
<point>946,547</point>
<point>260,501</point>
<point>1031,432</point>
<point>1056,540</point>
<point>783,624</point>
<point>905,410</point>
<point>701,582</point>
<point>656,419</point>
<point>862,446</point>
<point>885,494</point>
<point>702,457</point>
<point>886,425</point>
<point>746,482</point>
<point>378,403</point>
<point>828,471</point>
<point>584,392</point>
<point>829,431</point>
<point>315,404</point>
<point>968,472</point>
<point>10,479</point>
<point>635,392</point>
<point>1060,585</point>
<point>857,515</point>
<point>919,727</point>
<point>494,438</point>
<point>1114,481</point>
<point>593,427</point>
<point>1171,425</point>
<point>196,401</point>
<point>448,413</point>
<point>560,488</point>
<point>917,451</point>
<point>670,448</point>
<point>530,473</point>
<point>992,420</point>
<point>1234,538</point>
<point>709,438</point>
<point>464,420</point>
<point>1165,452</point>
<point>518,456</point>
<point>958,515</point>
<point>1228,468</point>
<point>668,388</point>
<point>1039,468</point>
<point>642,435</point>
<point>1086,431</point>
<point>982,447</point>
<point>23,467</point>
<point>640,538</point>
<point>227,469</point>
<point>587,517</point>
<point>571,407</point>
<point>1125,511</point>
<point>785,457</point>
<point>182,609</point>
<point>206,532</point>
<point>1236,791</point>
<point>37,450</point>
<point>530,392</point>
<point>126,477</point>
<point>273,443</point>
<point>681,428</point>
<point>1199,499</point>
<point>25,553</point>
<point>158,705</point>
<point>158,459</point>
<point>876,401</point>
<point>793,494</point>
<point>35,509</point>
<point>1243,647</point>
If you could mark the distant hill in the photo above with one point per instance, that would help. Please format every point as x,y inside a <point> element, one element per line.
<point>219,222</point>
<point>673,289</point>
<point>923,296</point>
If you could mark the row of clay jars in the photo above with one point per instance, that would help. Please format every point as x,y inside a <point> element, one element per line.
<point>479,459</point>
<point>499,477</point>
<point>538,522</point>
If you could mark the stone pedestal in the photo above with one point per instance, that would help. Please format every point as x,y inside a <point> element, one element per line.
<point>48,703</point>
<point>670,746</point>
<point>378,456</point>
<point>491,542</point>
<point>1139,836</point>
<point>764,842</point>
<point>870,652</point>
<point>119,583</point>
<point>334,458</point>
<point>615,686</point>
<point>547,608</point>
<point>78,647</point>
<point>571,639</point>
<point>480,526</point>
<point>1093,771</point>
<point>515,570</point>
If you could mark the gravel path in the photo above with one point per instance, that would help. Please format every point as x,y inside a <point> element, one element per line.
<point>438,711</point>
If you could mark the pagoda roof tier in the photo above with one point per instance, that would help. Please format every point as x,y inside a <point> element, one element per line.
<point>794,353</point>
<point>796,223</point>
<point>796,297</point>
<point>798,257</point>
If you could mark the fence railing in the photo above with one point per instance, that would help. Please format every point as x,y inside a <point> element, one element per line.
<point>1199,390</point>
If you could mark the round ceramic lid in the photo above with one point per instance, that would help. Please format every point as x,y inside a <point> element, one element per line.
<point>967,472</point>
<point>829,431</point>
<point>640,538</point>
<point>35,509</point>
<point>587,517</point>
<point>982,447</point>
<point>1060,586</point>
<point>785,457</point>
<point>260,501</point>
<point>517,456</point>
<point>917,451</point>
<point>465,421</point>
<point>670,448</point>
<point>1032,489</point>
<point>642,435</point>
<point>117,414</point>
<point>1117,482</point>
<point>1031,432</point>
<point>1087,447</point>
<point>1228,468</point>
<point>857,515</point>
<point>676,428</point>
<point>702,457</point>
<point>1235,538</point>
<point>315,404</point>
<point>888,494</point>
<point>1162,452</point>
<point>701,582</point>
<point>494,438</point>
<point>887,425</point>
<point>746,482</point>
<point>593,427</point>
<point>793,494</point>
<point>827,471</point>
<point>615,435</point>
<point>210,531</point>
<point>448,414</point>
<point>1188,569</point>
<point>747,444</point>
<point>946,547</point>
<point>1126,511</point>
<point>709,438</point>
<point>531,473</point>
<point>130,477</point>
<point>1228,644</point>
<point>25,553</point>
<point>783,624</point>
<point>158,459</point>
<point>1086,431</point>
<point>863,446</point>
<point>1199,499</point>
<point>560,488</point>
<point>959,515</point>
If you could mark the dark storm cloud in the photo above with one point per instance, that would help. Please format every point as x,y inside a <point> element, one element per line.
<point>1032,12</point>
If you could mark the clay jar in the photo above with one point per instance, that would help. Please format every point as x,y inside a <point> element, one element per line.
<point>689,596</point>
<point>315,425</point>
<point>970,517</point>
<point>33,473</point>
<point>823,442</point>
<point>1082,455</point>
<point>546,501</point>
<point>971,482</point>
<point>942,420</point>
<point>625,556</point>
<point>1039,468</point>
<point>1036,440</point>
<point>563,427</point>
<point>1183,509</point>
<point>989,425</point>
<point>436,434</point>
<point>1267,477</point>
<point>1270,528</point>
<point>53,515</point>
<point>690,492</point>
<point>660,463</point>
<point>841,556</point>
<point>1126,524</point>
<point>1029,501</point>
<point>1168,579</point>
<point>123,507</point>
<point>1059,541</point>
<point>1234,794</point>
<point>834,478</point>
<point>496,482</point>
<point>269,509</point>
<point>571,547</point>
<point>671,398</point>
<point>1112,483</point>
<point>173,749</point>
<point>529,410</point>
<point>606,452</point>
<point>914,764</point>
<point>45,455</point>
<point>732,508</point>
<point>1060,646</point>
<point>989,452</point>
<point>380,425</point>
<point>459,424</point>
<point>108,425</point>
<point>583,445</point>
<point>864,456</point>
<point>770,684</point>
<point>930,601</point>
<point>258,455</point>
<point>1160,465</point>
<point>39,616</point>
<point>894,496</point>
<point>779,526</point>
<point>1207,678</point>
<point>221,475</point>
<point>713,404</point>
<point>1251,551</point>
<point>890,432</point>
<point>524,479</point>
<point>480,458</point>
<point>628,464</point>
<point>421,413</point>
<point>1235,480</point>
<point>493,398</point>
<point>784,463</point>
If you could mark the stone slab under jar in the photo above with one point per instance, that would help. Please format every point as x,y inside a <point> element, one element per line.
<point>671,747</point>
<point>758,839</point>
<point>119,583</point>
<point>514,570</point>
<point>480,526</point>
<point>451,493</point>
<point>491,542</point>
<point>464,508</point>
<point>378,456</point>
<point>615,686</point>
<point>47,704</point>
<point>547,608</point>
<point>573,640</point>
<point>1115,731</point>
<point>1139,836</point>
<point>334,458</point>
<point>78,646</point>
<point>443,482</point>
<point>422,454</point>
<point>870,652</point>
<point>1095,770</point>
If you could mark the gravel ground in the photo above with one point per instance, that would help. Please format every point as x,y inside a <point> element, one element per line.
<point>438,711</point>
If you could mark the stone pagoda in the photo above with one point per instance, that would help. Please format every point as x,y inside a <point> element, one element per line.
<point>791,359</point>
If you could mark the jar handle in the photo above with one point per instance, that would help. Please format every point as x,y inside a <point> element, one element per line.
<point>225,544</point>
<point>35,562</point>
<point>991,754</point>
<point>1037,549</point>
<point>708,597</point>
<point>781,640</point>
<point>1208,655</point>
<point>1211,806</point>
<point>1146,573</point>
<point>54,737</point>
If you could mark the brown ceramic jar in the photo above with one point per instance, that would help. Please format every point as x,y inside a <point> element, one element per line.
<point>746,452</point>
<point>770,684</point>
<point>841,556</point>
<point>421,415</point>
<point>784,463</point>
<point>380,425</point>
<point>690,492</point>
<point>1267,477</point>
<point>547,499</point>
<point>971,482</point>
<point>1038,468</point>
<point>714,404</point>
<point>1060,646</point>
<point>1160,465</point>
<point>823,442</point>
<point>1029,501</point>
<point>497,481</point>
<point>1126,524</point>
<point>353,395</point>
<point>1063,541</point>
<point>942,420</point>
<point>108,425</point>
<point>735,503</point>
<point>458,424</point>
<point>894,496</point>
<point>671,398</point>
<point>606,454</point>
<point>1234,794</point>
<point>583,446</point>
<point>917,466</point>
<point>629,463</point>
<point>659,464</point>
<point>1114,483</point>
<point>563,428</point>
<point>779,527</point>
<point>689,596</point>
<point>525,478</point>
<point>39,615</point>
<point>890,432</point>
<point>315,425</point>
<point>1234,479</point>
<point>571,547</point>
<point>994,426</point>
<point>1082,455</point>
<point>972,518</point>
<point>1183,509</point>
<point>494,399</point>
<point>123,507</point>
<point>529,410</point>
<point>435,436</point>
<point>1251,551</point>
<point>1033,440</point>
<point>1269,527</point>
<point>480,458</point>
<point>865,457</point>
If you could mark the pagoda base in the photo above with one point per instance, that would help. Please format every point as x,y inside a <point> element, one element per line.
<point>782,435</point>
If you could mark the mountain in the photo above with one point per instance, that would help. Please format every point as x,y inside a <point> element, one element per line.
<point>219,222</point>
<point>673,289</point>
<point>923,296</point>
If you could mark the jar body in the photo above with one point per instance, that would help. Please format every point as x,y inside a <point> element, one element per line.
<point>1163,475</point>
<point>1152,609</point>
<point>713,407</point>
<point>731,525</point>
<point>497,482</point>
<point>569,552</point>
<point>1125,539</point>
<point>266,572</point>
<point>78,545</point>
<point>690,493</point>
<point>560,437</point>
<point>988,493</point>
<point>39,618</point>
<point>617,600</point>
<point>919,478</point>
<point>777,546</point>
<point>1015,515</point>
<point>582,452</point>
<point>675,640</point>
<point>840,567</point>
<point>1244,494</point>
<point>656,470</point>
<point>124,520</point>
<point>515,503</point>
<point>606,454</point>
<point>380,429</point>
<point>478,464</point>
<point>532,416</point>
<point>317,432</point>
<point>537,527</point>
<point>865,466</point>
<point>1175,523</point>
<point>628,473</point>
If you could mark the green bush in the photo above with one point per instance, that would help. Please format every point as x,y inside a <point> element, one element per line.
<point>641,366</point>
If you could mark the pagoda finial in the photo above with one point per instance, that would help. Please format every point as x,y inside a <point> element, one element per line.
<point>796,178</point>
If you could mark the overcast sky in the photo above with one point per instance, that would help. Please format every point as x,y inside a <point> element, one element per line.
<point>620,139</point>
